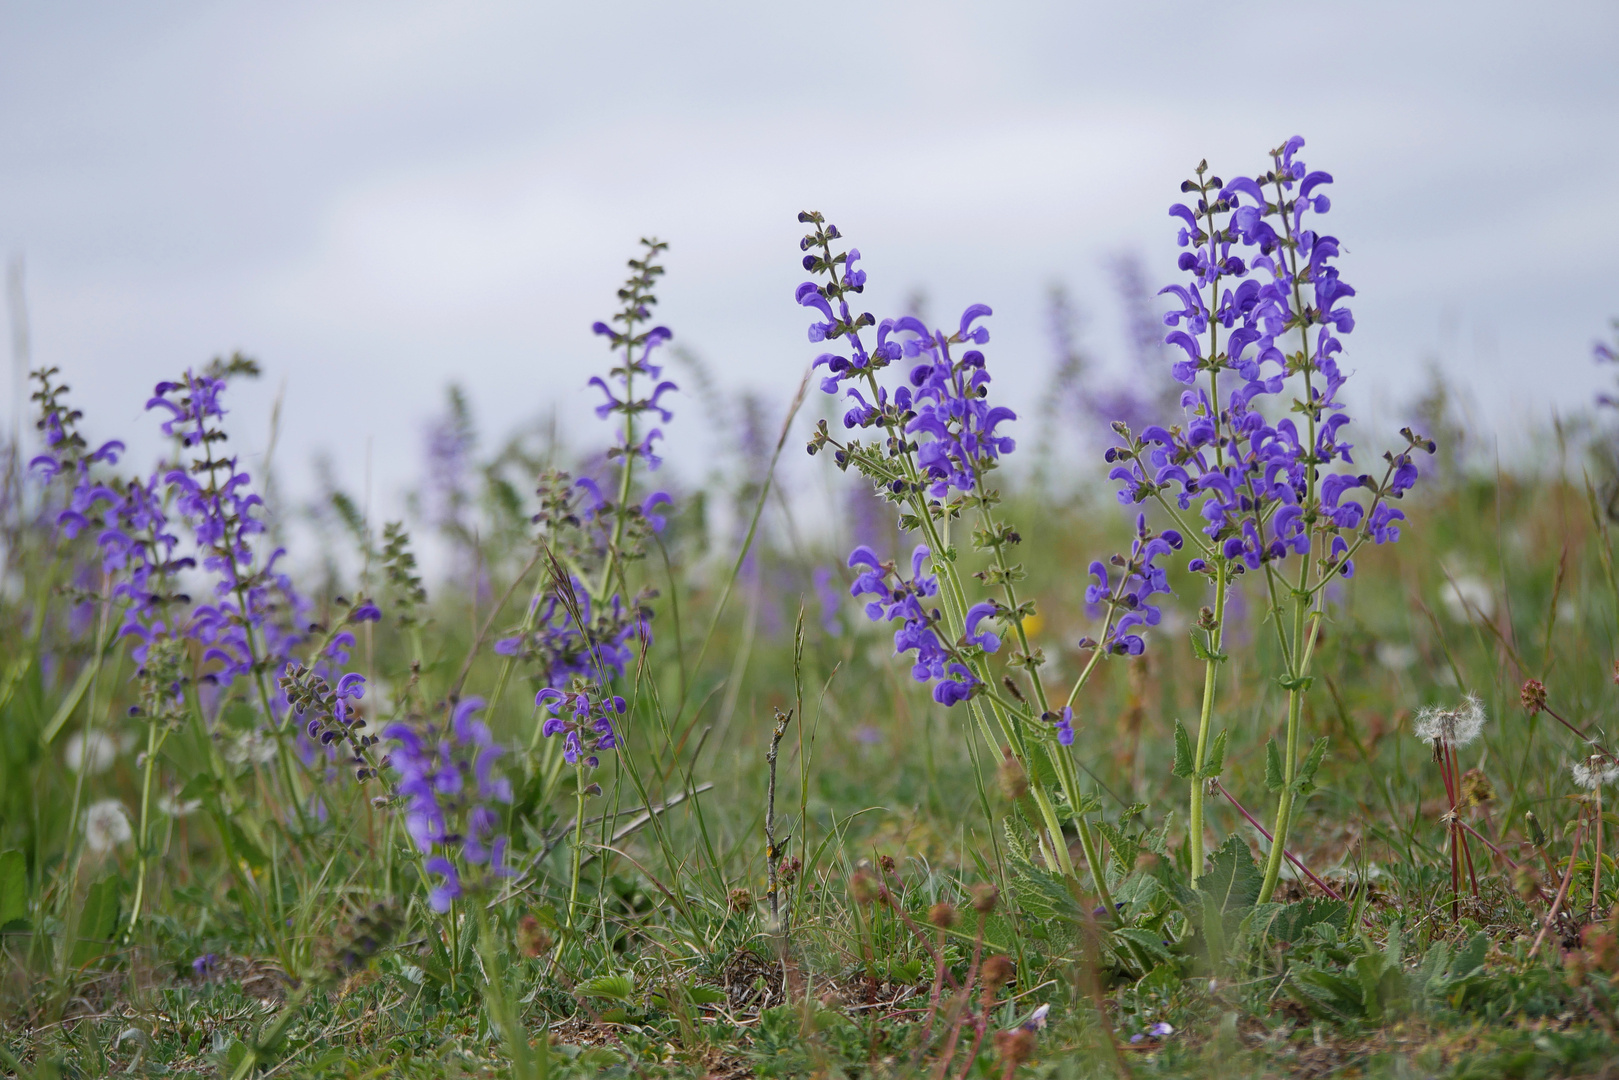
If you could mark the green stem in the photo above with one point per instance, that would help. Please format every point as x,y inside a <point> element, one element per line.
<point>1210,669</point>
<point>578,838</point>
<point>1295,707</point>
<point>153,744</point>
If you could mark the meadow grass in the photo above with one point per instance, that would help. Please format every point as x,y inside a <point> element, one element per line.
<point>678,970</point>
<point>623,793</point>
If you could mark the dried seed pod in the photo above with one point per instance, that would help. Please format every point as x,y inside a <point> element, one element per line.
<point>1533,696</point>
<point>533,940</point>
<point>1013,778</point>
<point>863,885</point>
<point>985,896</point>
<point>1015,1047</point>
<point>997,972</point>
<point>942,915</point>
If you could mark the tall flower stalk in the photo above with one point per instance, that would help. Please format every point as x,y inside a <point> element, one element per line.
<point>934,442</point>
<point>1261,485</point>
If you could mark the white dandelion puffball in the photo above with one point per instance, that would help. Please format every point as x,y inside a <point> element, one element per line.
<point>174,806</point>
<point>1593,772</point>
<point>1466,594</point>
<point>106,825</point>
<point>1395,657</point>
<point>1458,726</point>
<point>92,755</point>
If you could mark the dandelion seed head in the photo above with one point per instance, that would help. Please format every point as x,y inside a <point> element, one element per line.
<point>1593,772</point>
<point>106,825</point>
<point>90,754</point>
<point>1457,727</point>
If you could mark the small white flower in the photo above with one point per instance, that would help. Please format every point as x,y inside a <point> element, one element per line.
<point>1593,772</point>
<point>92,755</point>
<point>1395,657</point>
<point>1458,726</point>
<point>174,806</point>
<point>106,825</point>
<point>252,747</point>
<point>1465,594</point>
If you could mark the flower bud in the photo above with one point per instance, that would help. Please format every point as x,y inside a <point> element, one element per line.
<point>942,915</point>
<point>1525,883</point>
<point>997,972</point>
<point>1601,946</point>
<point>1533,696</point>
<point>1574,967</point>
<point>1013,779</point>
<point>984,897</point>
<point>741,900</point>
<point>1015,1047</point>
<point>863,885</point>
<point>532,938</point>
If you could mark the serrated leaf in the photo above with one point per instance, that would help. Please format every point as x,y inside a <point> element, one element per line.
<point>1014,843</point>
<point>1305,781</point>
<point>1216,759</point>
<point>1124,848</point>
<point>706,995</point>
<point>617,987</point>
<point>1150,943</point>
<point>1232,881</point>
<point>1042,894</point>
<point>1327,993</point>
<point>13,887</point>
<point>1183,766</point>
<point>1203,652</point>
<point>1274,777</point>
<point>1294,921</point>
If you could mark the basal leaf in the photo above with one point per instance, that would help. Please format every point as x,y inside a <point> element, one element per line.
<point>98,922</point>
<point>13,887</point>
<point>617,987</point>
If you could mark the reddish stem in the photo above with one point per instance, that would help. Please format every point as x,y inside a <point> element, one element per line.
<point>1562,892</point>
<point>1305,870</point>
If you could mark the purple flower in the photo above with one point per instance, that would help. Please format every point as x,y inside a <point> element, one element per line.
<point>828,597</point>
<point>449,790</point>
<point>1277,312</point>
<point>588,730</point>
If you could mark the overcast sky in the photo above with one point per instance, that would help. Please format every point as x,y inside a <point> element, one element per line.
<point>377,199</point>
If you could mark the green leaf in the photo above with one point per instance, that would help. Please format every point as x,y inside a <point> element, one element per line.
<point>1150,943</point>
<point>98,922</point>
<point>1327,993</point>
<point>1041,894</point>
<point>1294,921</point>
<point>1274,777</point>
<point>904,974</point>
<point>1183,766</point>
<point>1124,848</point>
<point>1291,683</point>
<point>13,888</point>
<point>1203,652</point>
<point>1216,759</point>
<point>617,987</point>
<point>1232,881</point>
<point>706,995</point>
<point>1304,783</point>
